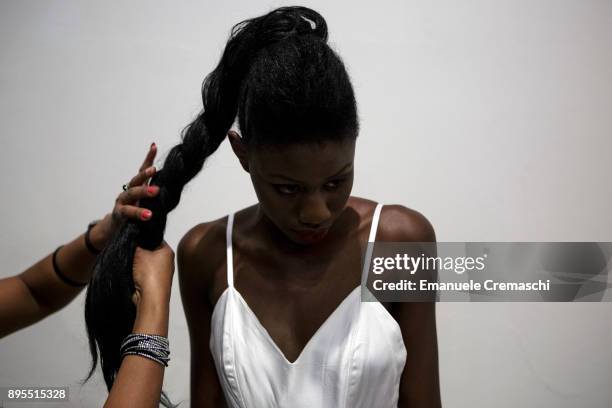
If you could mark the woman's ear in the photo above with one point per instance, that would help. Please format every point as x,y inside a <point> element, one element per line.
<point>239,149</point>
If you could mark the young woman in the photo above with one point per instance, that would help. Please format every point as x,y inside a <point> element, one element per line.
<point>274,288</point>
<point>271,291</point>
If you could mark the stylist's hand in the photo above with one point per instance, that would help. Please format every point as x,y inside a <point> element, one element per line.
<point>126,204</point>
<point>153,272</point>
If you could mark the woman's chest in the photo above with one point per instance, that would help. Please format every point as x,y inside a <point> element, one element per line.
<point>292,298</point>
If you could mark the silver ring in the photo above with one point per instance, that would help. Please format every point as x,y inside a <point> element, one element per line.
<point>126,186</point>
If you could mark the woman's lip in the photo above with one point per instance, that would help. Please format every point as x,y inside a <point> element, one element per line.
<point>312,235</point>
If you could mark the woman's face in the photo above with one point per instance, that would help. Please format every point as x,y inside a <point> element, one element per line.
<point>302,188</point>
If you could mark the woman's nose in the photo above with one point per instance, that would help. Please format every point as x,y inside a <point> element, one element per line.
<point>314,212</point>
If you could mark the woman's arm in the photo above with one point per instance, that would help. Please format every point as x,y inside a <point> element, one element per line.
<point>38,291</point>
<point>419,383</point>
<point>195,280</point>
<point>139,381</point>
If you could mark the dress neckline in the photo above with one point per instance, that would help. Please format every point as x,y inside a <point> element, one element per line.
<point>261,327</point>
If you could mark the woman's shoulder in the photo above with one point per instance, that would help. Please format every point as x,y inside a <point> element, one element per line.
<point>198,251</point>
<point>201,252</point>
<point>397,223</point>
<point>202,235</point>
<point>402,224</point>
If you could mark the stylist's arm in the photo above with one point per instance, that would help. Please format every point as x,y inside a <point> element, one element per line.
<point>55,280</point>
<point>139,380</point>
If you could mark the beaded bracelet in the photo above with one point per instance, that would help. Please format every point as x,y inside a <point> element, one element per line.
<point>151,346</point>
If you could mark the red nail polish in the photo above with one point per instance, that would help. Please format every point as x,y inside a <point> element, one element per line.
<point>146,214</point>
<point>153,144</point>
<point>151,189</point>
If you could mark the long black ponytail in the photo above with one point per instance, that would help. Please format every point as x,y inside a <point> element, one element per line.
<point>276,71</point>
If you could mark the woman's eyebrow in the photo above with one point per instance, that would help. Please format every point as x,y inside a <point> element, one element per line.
<point>345,167</point>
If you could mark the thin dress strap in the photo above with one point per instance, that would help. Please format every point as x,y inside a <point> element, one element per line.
<point>230,258</point>
<point>370,245</point>
<point>374,226</point>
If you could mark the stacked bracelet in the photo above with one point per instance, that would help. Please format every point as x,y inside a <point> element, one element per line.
<point>152,346</point>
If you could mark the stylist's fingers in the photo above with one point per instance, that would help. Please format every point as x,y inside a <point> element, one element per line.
<point>143,176</point>
<point>148,161</point>
<point>132,212</point>
<point>126,205</point>
<point>133,194</point>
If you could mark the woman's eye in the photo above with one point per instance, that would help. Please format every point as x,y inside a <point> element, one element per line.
<point>333,184</point>
<point>286,188</point>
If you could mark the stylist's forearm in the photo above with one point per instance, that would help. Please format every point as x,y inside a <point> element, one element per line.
<point>139,381</point>
<point>74,260</point>
<point>152,314</point>
<point>38,291</point>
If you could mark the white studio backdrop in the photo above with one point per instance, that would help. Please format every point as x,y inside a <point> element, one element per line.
<point>492,118</point>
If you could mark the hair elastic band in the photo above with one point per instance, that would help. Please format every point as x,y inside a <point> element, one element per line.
<point>63,277</point>
<point>88,243</point>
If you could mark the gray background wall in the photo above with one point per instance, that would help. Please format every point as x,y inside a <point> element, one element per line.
<point>492,118</point>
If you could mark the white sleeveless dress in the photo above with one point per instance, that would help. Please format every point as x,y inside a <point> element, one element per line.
<point>354,360</point>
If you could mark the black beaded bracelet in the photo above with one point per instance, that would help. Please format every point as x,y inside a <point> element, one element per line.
<point>63,277</point>
<point>88,243</point>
